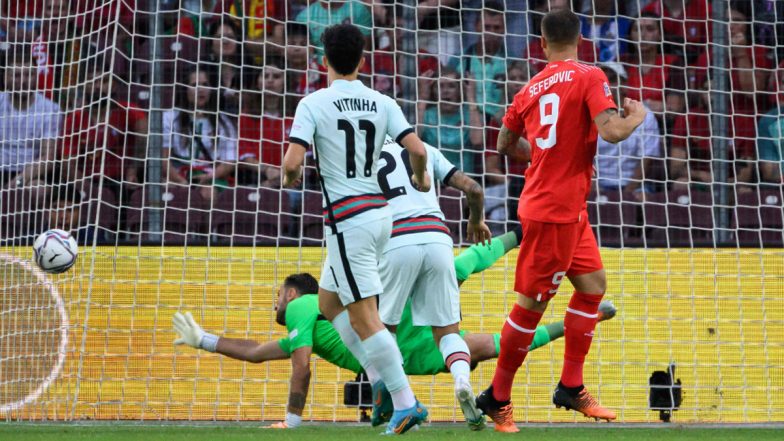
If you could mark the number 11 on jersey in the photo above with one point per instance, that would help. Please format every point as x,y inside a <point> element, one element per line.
<point>370,136</point>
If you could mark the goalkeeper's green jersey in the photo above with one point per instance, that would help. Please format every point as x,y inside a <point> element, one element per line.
<point>307,327</point>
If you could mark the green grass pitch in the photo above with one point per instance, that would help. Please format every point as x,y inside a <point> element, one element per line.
<point>339,432</point>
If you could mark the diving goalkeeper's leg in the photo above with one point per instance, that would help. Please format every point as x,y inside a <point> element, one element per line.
<point>479,257</point>
<point>486,346</point>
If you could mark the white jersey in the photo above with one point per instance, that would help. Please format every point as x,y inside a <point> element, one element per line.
<point>417,216</point>
<point>23,131</point>
<point>346,124</point>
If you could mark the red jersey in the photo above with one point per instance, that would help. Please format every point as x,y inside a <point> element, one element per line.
<point>691,26</point>
<point>81,136</point>
<point>263,138</point>
<point>667,73</point>
<point>743,101</point>
<point>555,112</point>
<point>692,133</point>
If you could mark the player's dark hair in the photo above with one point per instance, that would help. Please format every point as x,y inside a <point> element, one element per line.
<point>304,283</point>
<point>343,46</point>
<point>561,27</point>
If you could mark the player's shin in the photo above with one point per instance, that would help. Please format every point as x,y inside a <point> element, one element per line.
<point>384,355</point>
<point>516,337</point>
<point>457,359</point>
<point>579,323</point>
<point>342,324</point>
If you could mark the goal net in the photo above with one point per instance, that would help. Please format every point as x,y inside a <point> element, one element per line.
<point>154,131</point>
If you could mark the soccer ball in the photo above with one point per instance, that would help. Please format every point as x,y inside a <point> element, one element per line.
<point>55,251</point>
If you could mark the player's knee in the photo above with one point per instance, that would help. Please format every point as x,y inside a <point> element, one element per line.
<point>602,285</point>
<point>440,331</point>
<point>598,282</point>
<point>364,317</point>
<point>591,283</point>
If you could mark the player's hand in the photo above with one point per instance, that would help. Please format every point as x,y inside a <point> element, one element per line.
<point>424,186</point>
<point>478,233</point>
<point>634,109</point>
<point>278,425</point>
<point>289,182</point>
<point>188,331</point>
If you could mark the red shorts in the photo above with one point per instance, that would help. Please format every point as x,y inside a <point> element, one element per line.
<point>551,251</point>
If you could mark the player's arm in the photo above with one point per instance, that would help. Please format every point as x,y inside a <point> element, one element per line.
<point>298,386</point>
<point>512,145</point>
<point>303,128</point>
<point>250,350</point>
<point>190,333</point>
<point>292,163</point>
<point>478,232</point>
<point>418,157</point>
<point>400,130</point>
<point>615,128</point>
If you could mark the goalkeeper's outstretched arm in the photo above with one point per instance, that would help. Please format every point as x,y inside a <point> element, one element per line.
<point>298,387</point>
<point>190,333</point>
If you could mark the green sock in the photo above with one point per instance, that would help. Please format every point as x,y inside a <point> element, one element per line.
<point>511,239</point>
<point>478,257</point>
<point>542,337</point>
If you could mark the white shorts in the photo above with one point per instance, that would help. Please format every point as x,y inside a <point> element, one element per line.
<point>426,274</point>
<point>352,265</point>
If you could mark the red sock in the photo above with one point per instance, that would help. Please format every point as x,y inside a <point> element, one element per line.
<point>579,323</point>
<point>516,337</point>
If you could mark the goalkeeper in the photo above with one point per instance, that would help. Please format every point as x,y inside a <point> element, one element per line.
<point>309,332</point>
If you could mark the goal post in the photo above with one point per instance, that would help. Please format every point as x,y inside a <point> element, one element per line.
<point>153,130</point>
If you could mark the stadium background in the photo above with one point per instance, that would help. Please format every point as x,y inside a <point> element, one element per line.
<point>152,248</point>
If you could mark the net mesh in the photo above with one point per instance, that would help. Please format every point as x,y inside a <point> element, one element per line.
<point>154,131</point>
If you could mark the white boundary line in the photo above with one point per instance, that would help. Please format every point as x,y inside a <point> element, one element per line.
<point>44,280</point>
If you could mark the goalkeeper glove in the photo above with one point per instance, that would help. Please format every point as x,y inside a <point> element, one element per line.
<point>190,333</point>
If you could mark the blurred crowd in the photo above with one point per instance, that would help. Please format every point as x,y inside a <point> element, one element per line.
<point>207,105</point>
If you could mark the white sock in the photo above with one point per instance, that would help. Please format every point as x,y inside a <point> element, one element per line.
<point>457,358</point>
<point>394,337</point>
<point>342,324</point>
<point>383,353</point>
